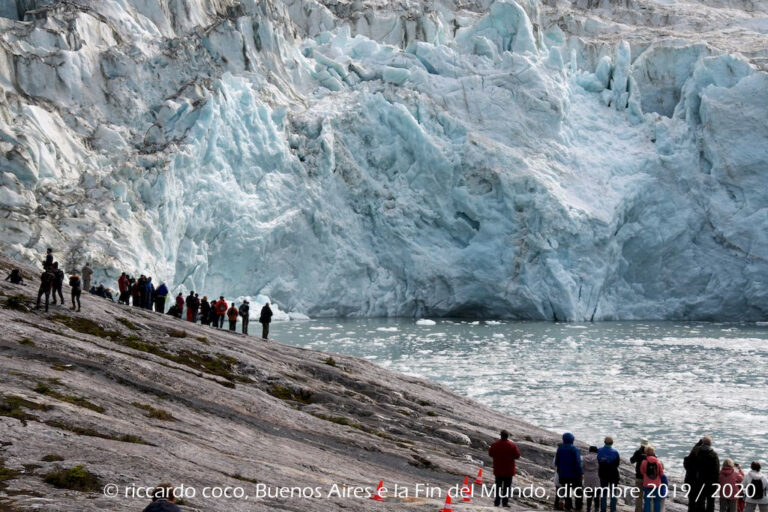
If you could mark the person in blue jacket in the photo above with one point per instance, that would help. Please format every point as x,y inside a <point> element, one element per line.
<point>608,459</point>
<point>160,295</point>
<point>150,294</point>
<point>569,471</point>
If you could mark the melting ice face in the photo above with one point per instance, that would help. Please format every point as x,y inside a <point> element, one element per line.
<point>670,383</point>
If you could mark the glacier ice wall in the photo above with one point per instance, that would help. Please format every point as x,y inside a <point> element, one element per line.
<point>535,160</point>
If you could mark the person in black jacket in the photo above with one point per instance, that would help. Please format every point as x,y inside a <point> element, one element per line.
<point>58,282</point>
<point>244,310</point>
<point>706,465</point>
<point>163,500</point>
<point>264,319</point>
<point>15,277</point>
<point>205,311</point>
<point>48,263</point>
<point>76,285</point>
<point>46,283</point>
<point>637,459</point>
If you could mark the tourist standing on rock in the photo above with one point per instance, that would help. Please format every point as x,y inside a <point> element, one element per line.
<point>205,311</point>
<point>569,471</point>
<point>592,478</point>
<point>163,500</point>
<point>150,294</point>
<point>244,310</point>
<point>637,459</point>
<point>179,305</point>
<point>48,263</point>
<point>221,311</point>
<point>731,476</point>
<point>160,295</point>
<point>504,454</point>
<point>46,283</point>
<point>609,460</point>
<point>689,464</point>
<point>232,316</point>
<point>264,319</point>
<point>76,284</point>
<point>190,305</point>
<point>122,286</point>
<point>58,283</point>
<point>652,470</point>
<point>15,277</point>
<point>140,291</point>
<point>755,487</point>
<point>87,273</point>
<point>707,468</point>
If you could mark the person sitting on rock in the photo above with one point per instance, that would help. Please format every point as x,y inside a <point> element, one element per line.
<point>163,499</point>
<point>15,277</point>
<point>504,454</point>
<point>232,314</point>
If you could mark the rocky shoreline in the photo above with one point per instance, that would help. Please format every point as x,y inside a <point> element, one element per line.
<point>137,398</point>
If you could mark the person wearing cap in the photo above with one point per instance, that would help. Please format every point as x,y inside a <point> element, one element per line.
<point>244,311</point>
<point>609,460</point>
<point>637,459</point>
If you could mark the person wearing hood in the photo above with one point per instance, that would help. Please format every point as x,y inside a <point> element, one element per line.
<point>264,319</point>
<point>504,454</point>
<point>706,465</point>
<point>569,471</point>
<point>637,459</point>
<point>160,295</point>
<point>244,311</point>
<point>232,317</point>
<point>730,477</point>
<point>591,478</point>
<point>205,311</point>
<point>755,487</point>
<point>652,470</point>
<point>609,460</point>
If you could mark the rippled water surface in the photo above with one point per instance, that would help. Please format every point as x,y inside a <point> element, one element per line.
<point>669,382</point>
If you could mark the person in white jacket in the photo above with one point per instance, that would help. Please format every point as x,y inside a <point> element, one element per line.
<point>755,487</point>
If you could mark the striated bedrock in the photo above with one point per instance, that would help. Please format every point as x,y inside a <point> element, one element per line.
<point>566,160</point>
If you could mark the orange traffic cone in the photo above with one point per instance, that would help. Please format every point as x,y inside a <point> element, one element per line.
<point>479,478</point>
<point>378,496</point>
<point>466,491</point>
<point>448,502</point>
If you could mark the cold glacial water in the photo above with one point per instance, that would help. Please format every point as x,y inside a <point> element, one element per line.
<point>669,382</point>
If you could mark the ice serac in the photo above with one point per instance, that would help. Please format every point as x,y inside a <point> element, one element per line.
<point>562,160</point>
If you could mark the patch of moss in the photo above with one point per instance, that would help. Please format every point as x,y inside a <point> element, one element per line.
<point>52,458</point>
<point>238,476</point>
<point>15,302</point>
<point>158,414</point>
<point>177,333</point>
<point>76,478</point>
<point>127,323</point>
<point>86,326</point>
<point>330,361</point>
<point>203,339</point>
<point>47,390</point>
<point>431,413</point>
<point>27,342</point>
<point>59,367</point>
<point>87,431</point>
<point>12,406</point>
<point>286,393</point>
<point>8,474</point>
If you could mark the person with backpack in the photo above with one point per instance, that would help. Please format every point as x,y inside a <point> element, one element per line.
<point>569,471</point>
<point>205,311</point>
<point>652,470</point>
<point>265,318</point>
<point>706,465</point>
<point>15,277</point>
<point>504,453</point>
<point>609,460</point>
<point>232,316</point>
<point>160,295</point>
<point>76,285</point>
<point>58,282</point>
<point>46,283</point>
<point>179,305</point>
<point>637,459</point>
<point>244,310</point>
<point>87,273</point>
<point>730,477</point>
<point>755,487</point>
<point>592,483</point>
<point>221,311</point>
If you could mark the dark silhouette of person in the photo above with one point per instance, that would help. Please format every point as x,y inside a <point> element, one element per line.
<point>264,319</point>
<point>504,454</point>
<point>46,283</point>
<point>58,282</point>
<point>15,277</point>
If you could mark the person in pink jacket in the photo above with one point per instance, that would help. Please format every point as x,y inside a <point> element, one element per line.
<point>730,477</point>
<point>652,470</point>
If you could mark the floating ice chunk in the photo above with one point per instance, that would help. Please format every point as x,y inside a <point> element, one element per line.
<point>387,329</point>
<point>425,321</point>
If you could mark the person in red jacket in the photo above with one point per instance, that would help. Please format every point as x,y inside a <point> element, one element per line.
<point>221,311</point>
<point>504,454</point>
<point>652,470</point>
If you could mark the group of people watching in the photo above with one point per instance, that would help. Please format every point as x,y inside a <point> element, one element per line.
<point>596,477</point>
<point>142,293</point>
